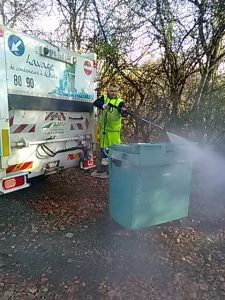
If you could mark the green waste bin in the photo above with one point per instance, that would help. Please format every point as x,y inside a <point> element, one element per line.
<point>149,184</point>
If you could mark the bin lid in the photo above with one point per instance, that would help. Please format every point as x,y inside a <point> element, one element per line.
<point>147,154</point>
<point>135,148</point>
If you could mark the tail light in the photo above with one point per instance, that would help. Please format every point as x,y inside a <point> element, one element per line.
<point>89,163</point>
<point>13,182</point>
<point>86,164</point>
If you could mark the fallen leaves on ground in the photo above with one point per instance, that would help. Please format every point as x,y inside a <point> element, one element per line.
<point>79,197</point>
<point>200,258</point>
<point>14,287</point>
<point>191,259</point>
<point>135,287</point>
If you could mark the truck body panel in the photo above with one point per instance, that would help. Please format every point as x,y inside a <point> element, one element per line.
<point>47,118</point>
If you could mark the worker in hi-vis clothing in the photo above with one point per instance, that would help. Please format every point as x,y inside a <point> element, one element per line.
<point>112,109</point>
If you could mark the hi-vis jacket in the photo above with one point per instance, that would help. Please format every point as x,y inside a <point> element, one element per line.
<point>111,118</point>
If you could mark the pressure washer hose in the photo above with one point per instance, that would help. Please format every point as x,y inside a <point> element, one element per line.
<point>137,117</point>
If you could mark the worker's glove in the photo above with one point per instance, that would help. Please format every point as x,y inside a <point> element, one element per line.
<point>104,106</point>
<point>124,112</point>
<point>111,105</point>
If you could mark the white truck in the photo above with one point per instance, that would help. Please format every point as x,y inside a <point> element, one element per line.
<point>47,118</point>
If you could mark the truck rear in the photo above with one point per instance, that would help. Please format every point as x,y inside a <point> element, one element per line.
<point>46,114</point>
